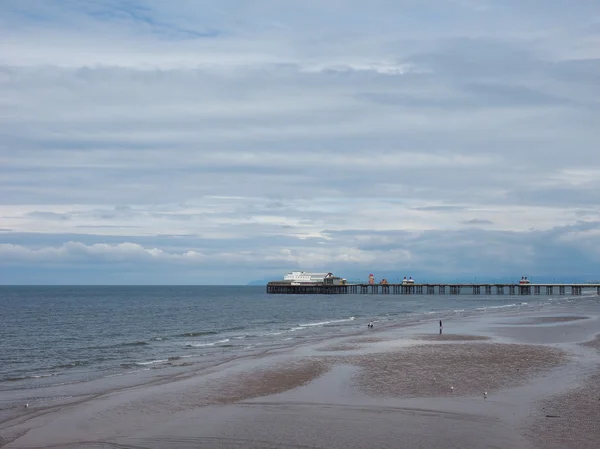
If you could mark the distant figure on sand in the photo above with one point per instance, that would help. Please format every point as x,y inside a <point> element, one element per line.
<point>441,327</point>
<point>370,325</point>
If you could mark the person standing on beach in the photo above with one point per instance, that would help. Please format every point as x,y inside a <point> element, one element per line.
<point>441,327</point>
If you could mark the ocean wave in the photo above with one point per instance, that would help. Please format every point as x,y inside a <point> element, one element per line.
<point>198,334</point>
<point>504,306</point>
<point>134,343</point>
<point>323,323</point>
<point>235,328</point>
<point>273,334</point>
<point>206,344</point>
<point>158,338</point>
<point>151,362</point>
<point>30,376</point>
<point>178,357</point>
<point>74,364</point>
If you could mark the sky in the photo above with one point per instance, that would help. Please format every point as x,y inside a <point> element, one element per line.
<point>229,141</point>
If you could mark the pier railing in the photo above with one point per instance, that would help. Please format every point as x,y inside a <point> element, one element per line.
<point>278,287</point>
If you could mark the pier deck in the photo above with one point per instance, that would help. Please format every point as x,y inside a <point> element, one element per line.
<point>279,287</point>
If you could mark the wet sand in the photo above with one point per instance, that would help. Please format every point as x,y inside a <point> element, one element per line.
<point>595,343</point>
<point>549,320</point>
<point>341,347</point>
<point>392,391</point>
<point>452,369</point>
<point>451,337</point>
<point>571,419</point>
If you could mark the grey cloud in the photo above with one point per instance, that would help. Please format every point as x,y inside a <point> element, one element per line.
<point>49,215</point>
<point>469,58</point>
<point>512,95</point>
<point>439,208</point>
<point>584,195</point>
<point>477,221</point>
<point>121,226</point>
<point>472,96</point>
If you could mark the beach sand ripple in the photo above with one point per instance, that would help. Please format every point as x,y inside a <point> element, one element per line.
<point>430,370</point>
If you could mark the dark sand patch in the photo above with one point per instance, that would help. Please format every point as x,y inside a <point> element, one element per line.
<point>451,337</point>
<point>549,320</point>
<point>340,347</point>
<point>595,343</point>
<point>227,390</point>
<point>270,381</point>
<point>430,370</point>
<point>570,420</point>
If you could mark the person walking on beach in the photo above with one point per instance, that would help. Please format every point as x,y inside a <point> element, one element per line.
<point>441,327</point>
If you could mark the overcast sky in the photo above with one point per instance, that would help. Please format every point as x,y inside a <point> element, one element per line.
<point>224,141</point>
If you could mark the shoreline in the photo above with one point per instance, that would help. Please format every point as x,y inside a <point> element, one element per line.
<point>393,368</point>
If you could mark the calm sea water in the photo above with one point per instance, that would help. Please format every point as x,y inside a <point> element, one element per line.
<point>57,335</point>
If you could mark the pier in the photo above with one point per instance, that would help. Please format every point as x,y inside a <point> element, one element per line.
<point>282,287</point>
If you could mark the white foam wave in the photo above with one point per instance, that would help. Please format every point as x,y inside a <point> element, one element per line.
<point>39,376</point>
<point>323,323</point>
<point>136,371</point>
<point>152,362</point>
<point>207,344</point>
<point>504,306</point>
<point>271,334</point>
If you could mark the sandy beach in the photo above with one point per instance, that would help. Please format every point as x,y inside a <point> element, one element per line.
<point>492,382</point>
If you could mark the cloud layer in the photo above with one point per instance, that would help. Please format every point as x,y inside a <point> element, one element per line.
<point>212,142</point>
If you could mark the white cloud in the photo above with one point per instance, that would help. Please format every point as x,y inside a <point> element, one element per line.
<point>98,252</point>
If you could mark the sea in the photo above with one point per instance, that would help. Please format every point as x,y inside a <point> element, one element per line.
<point>58,335</point>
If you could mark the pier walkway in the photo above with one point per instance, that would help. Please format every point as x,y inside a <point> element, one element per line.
<point>279,287</point>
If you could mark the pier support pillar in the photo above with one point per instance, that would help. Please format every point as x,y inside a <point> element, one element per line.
<point>488,290</point>
<point>512,290</point>
<point>431,290</point>
<point>524,290</point>
<point>561,290</point>
<point>536,289</point>
<point>598,291</point>
<point>549,289</point>
<point>442,290</point>
<point>575,291</point>
<point>499,289</point>
<point>419,289</point>
<point>476,289</point>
